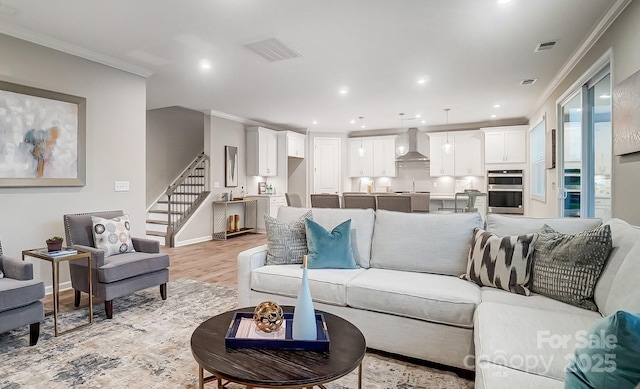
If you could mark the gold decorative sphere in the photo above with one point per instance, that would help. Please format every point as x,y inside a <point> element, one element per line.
<point>268,316</point>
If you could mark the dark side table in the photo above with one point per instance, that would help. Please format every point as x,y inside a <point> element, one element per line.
<point>276,368</point>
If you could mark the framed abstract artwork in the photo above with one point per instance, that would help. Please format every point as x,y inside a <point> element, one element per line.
<point>230,166</point>
<point>626,116</point>
<point>42,137</point>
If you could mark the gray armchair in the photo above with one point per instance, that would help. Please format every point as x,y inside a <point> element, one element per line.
<point>117,275</point>
<point>20,297</point>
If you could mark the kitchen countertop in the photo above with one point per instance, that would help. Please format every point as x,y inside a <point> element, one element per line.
<point>443,196</point>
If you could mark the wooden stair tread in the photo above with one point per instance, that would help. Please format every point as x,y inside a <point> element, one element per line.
<point>186,193</point>
<point>174,202</point>
<point>165,212</point>
<point>163,222</point>
<point>156,233</point>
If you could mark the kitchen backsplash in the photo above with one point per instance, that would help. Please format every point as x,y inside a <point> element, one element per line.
<point>418,173</point>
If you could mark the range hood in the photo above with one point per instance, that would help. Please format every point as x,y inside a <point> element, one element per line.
<point>413,155</point>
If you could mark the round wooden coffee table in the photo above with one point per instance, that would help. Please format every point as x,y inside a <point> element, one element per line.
<point>276,368</point>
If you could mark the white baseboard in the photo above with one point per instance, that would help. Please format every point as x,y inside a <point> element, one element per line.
<point>194,240</point>
<point>63,286</point>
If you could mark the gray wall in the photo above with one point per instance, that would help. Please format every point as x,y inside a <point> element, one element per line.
<point>175,136</point>
<point>116,105</point>
<point>225,132</point>
<point>623,36</point>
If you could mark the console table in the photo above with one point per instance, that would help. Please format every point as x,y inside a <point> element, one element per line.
<point>222,210</point>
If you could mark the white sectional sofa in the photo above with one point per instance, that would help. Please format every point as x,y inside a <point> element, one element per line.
<point>407,296</point>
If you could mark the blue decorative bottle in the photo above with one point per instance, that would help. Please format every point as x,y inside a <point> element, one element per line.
<point>304,316</point>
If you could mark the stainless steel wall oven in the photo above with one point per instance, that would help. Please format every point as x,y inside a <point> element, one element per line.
<point>505,189</point>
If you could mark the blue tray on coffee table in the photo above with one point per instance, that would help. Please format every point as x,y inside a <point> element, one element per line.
<point>288,343</point>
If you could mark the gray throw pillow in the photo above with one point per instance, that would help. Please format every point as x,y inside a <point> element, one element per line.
<point>286,241</point>
<point>566,267</point>
<point>501,262</point>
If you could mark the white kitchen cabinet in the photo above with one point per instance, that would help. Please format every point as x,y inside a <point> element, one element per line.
<point>379,159</point>
<point>360,165</point>
<point>295,145</point>
<point>441,163</point>
<point>384,156</point>
<point>467,150</point>
<point>505,144</point>
<point>603,208</point>
<point>268,204</point>
<point>572,142</point>
<point>602,148</point>
<point>262,152</point>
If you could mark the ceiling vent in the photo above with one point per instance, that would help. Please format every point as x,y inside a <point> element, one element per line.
<point>545,46</point>
<point>273,49</point>
<point>528,81</point>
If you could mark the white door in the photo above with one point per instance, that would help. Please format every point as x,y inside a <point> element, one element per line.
<point>326,165</point>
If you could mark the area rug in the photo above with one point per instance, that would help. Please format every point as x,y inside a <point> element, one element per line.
<point>147,345</point>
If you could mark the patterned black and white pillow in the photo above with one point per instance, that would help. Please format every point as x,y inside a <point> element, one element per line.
<point>501,262</point>
<point>566,267</point>
<point>286,241</point>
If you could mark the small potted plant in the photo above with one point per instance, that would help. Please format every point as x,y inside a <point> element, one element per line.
<point>54,243</point>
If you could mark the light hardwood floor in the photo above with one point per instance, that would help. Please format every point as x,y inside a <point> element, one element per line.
<point>213,261</point>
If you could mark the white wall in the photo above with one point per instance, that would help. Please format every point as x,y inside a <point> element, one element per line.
<point>116,107</point>
<point>175,136</point>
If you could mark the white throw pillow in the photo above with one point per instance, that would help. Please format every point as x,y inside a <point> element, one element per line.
<point>112,235</point>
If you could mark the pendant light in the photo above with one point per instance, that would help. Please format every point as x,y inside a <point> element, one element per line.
<point>402,149</point>
<point>361,150</point>
<point>447,147</point>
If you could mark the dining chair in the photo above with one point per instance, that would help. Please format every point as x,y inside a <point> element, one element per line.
<point>293,200</point>
<point>397,203</point>
<point>325,200</point>
<point>359,201</point>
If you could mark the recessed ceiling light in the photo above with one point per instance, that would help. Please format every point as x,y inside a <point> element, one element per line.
<point>344,90</point>
<point>496,106</point>
<point>503,1</point>
<point>205,64</point>
<point>423,80</point>
<point>418,115</point>
<point>423,121</point>
<point>352,121</point>
<point>605,96</point>
<point>315,122</point>
<point>493,116</point>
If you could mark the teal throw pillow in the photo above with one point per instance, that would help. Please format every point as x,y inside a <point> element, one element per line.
<point>329,250</point>
<point>608,356</point>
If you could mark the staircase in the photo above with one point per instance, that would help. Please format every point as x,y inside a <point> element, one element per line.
<point>172,210</point>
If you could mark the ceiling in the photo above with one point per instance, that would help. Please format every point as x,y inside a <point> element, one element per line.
<point>473,54</point>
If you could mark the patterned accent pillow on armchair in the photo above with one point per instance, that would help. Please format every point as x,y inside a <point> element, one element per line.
<point>501,262</point>
<point>112,235</point>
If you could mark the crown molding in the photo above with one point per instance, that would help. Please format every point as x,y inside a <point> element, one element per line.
<point>246,121</point>
<point>65,47</point>
<point>600,28</point>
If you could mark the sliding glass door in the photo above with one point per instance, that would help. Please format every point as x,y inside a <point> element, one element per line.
<point>584,139</point>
